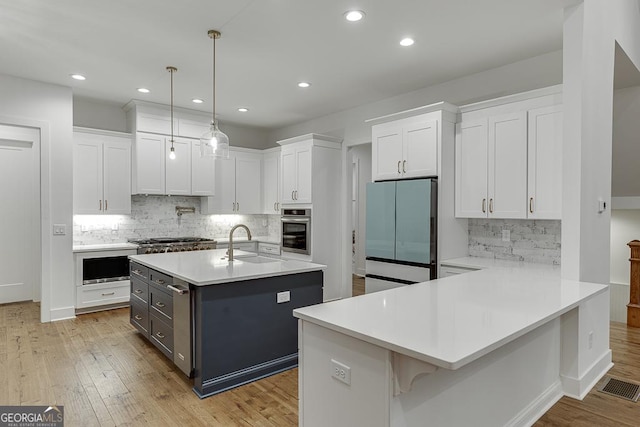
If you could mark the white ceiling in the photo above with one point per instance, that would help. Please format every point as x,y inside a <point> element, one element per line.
<point>267,46</point>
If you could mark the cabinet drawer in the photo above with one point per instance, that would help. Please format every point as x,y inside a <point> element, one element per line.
<point>160,279</point>
<point>101,294</point>
<point>161,303</point>
<point>268,248</point>
<point>139,271</point>
<point>139,290</point>
<point>161,335</point>
<point>139,317</point>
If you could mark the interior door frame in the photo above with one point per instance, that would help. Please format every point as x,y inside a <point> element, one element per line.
<point>43,255</point>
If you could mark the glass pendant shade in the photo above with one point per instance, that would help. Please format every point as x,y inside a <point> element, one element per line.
<point>214,143</point>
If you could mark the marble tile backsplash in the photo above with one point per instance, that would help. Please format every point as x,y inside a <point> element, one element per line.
<point>530,240</point>
<point>155,216</point>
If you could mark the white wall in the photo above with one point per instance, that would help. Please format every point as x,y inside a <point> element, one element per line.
<point>362,154</point>
<point>49,107</point>
<point>625,179</point>
<point>625,227</point>
<point>590,31</point>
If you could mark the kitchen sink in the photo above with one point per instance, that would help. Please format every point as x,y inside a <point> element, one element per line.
<point>258,259</point>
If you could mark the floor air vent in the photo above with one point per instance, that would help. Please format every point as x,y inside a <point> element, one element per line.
<point>619,388</point>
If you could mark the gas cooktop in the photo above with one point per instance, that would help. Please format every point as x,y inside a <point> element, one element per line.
<point>172,244</point>
<point>165,240</point>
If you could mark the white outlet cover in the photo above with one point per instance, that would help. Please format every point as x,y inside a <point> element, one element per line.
<point>59,229</point>
<point>341,372</point>
<point>284,296</point>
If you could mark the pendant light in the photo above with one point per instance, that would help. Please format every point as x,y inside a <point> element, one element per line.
<point>172,151</point>
<point>214,143</point>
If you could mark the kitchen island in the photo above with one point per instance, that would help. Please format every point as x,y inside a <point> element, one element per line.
<point>488,348</point>
<point>223,323</point>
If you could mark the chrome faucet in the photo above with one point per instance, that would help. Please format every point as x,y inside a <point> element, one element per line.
<point>230,251</point>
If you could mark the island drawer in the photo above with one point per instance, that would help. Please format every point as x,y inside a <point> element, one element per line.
<point>161,335</point>
<point>139,290</point>
<point>139,317</point>
<point>161,302</point>
<point>160,279</point>
<point>139,271</point>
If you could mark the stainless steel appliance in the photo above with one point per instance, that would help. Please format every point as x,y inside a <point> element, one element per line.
<point>172,244</point>
<point>296,231</point>
<point>105,269</point>
<point>401,239</point>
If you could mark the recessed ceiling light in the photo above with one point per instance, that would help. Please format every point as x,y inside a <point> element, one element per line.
<point>197,101</point>
<point>304,84</point>
<point>408,41</point>
<point>78,77</point>
<point>143,90</point>
<point>243,109</point>
<point>354,15</point>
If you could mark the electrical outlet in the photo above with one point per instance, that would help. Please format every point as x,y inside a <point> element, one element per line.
<point>59,229</point>
<point>114,226</point>
<point>590,340</point>
<point>341,372</point>
<point>283,297</point>
<point>506,235</point>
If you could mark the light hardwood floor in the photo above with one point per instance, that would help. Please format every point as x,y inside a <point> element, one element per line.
<point>357,285</point>
<point>105,374</point>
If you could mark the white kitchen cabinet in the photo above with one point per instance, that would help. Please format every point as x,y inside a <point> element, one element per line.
<point>406,148</point>
<point>101,172</point>
<point>178,170</point>
<point>271,182</point>
<point>237,184</point>
<point>296,174</point>
<point>497,145</point>
<point>545,163</point>
<point>148,164</point>
<point>202,172</point>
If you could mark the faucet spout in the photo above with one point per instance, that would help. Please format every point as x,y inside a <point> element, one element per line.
<point>235,227</point>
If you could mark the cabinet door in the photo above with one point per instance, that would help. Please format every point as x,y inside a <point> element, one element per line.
<point>178,170</point>
<point>386,152</point>
<point>471,169</point>
<point>117,177</point>
<point>225,179</point>
<point>202,172</point>
<point>248,184</point>
<point>413,221</point>
<point>149,164</point>
<point>270,183</point>
<point>303,175</point>
<point>420,150</point>
<point>507,178</point>
<point>87,176</point>
<point>545,163</point>
<point>288,165</point>
<point>381,220</point>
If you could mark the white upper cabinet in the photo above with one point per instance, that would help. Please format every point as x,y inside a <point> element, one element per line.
<point>238,185</point>
<point>178,170</point>
<point>406,148</point>
<point>202,172</point>
<point>296,173</point>
<point>271,182</point>
<point>148,164</point>
<point>545,163</point>
<point>101,173</point>
<point>509,158</point>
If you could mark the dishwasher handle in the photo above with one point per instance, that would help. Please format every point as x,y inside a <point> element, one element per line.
<point>179,291</point>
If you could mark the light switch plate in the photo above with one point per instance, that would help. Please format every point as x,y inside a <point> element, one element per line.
<point>283,297</point>
<point>59,229</point>
<point>341,372</point>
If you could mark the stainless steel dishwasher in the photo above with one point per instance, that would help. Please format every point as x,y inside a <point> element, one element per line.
<point>182,330</point>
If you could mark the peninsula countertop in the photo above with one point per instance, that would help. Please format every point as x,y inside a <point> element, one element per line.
<point>211,267</point>
<point>453,321</point>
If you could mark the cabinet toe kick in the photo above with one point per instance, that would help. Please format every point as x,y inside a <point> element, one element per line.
<point>405,370</point>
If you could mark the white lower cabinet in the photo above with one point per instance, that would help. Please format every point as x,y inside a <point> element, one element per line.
<point>238,188</point>
<point>101,172</point>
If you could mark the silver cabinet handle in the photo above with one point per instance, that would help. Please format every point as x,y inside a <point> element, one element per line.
<point>278,206</point>
<point>178,290</point>
<point>237,206</point>
<point>106,204</point>
<point>160,282</point>
<point>106,294</point>
<point>160,335</point>
<point>137,317</point>
<point>531,204</point>
<point>160,304</point>
<point>490,205</point>
<point>296,194</point>
<point>138,291</point>
<point>274,206</point>
<point>100,205</point>
<point>399,166</point>
<point>404,163</point>
<point>292,198</point>
<point>484,205</point>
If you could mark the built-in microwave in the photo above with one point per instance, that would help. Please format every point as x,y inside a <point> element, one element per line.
<point>296,231</point>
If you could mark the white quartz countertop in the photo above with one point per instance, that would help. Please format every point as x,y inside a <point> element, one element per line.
<point>482,263</point>
<point>239,238</point>
<point>453,321</point>
<point>104,247</point>
<point>211,267</point>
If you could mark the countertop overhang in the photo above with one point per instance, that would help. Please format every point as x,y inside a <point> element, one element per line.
<point>453,321</point>
<point>211,267</point>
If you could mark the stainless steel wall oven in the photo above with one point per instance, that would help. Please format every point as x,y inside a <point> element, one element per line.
<point>296,231</point>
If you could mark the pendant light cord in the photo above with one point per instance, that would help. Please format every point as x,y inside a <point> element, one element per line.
<point>171,71</point>
<point>213,119</point>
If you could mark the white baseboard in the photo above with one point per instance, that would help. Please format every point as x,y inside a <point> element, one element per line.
<point>63,313</point>
<point>529,415</point>
<point>577,388</point>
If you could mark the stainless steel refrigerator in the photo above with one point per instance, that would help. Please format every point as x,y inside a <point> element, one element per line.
<point>401,233</point>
